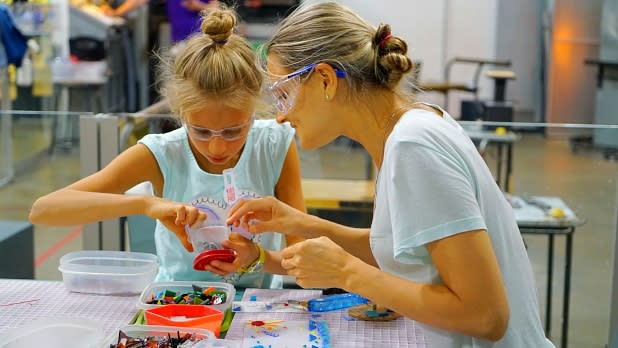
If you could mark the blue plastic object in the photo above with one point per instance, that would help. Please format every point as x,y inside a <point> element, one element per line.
<point>334,302</point>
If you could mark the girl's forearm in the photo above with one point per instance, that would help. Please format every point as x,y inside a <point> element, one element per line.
<point>68,207</point>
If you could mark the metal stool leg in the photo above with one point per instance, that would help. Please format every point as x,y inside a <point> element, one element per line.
<point>550,276</point>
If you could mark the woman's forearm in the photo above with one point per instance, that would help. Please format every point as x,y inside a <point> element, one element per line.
<point>273,263</point>
<point>68,207</point>
<point>353,240</point>
<point>432,304</point>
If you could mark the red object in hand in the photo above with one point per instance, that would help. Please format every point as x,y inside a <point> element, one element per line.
<point>203,259</point>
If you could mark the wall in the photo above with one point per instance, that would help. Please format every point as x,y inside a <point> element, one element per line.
<point>519,38</point>
<point>437,31</point>
<point>571,84</point>
<point>471,32</point>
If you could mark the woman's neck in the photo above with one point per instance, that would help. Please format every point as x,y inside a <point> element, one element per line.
<point>371,125</point>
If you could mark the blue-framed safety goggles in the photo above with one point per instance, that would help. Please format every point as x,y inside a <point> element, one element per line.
<point>285,89</point>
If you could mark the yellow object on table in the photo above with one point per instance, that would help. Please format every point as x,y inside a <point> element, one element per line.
<point>500,131</point>
<point>557,213</point>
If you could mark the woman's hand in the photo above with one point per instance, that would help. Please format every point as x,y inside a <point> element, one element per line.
<point>267,214</point>
<point>246,253</point>
<point>175,216</point>
<point>107,10</point>
<point>317,263</point>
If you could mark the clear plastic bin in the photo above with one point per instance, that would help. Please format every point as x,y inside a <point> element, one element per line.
<point>184,287</point>
<point>208,339</point>
<point>108,272</point>
<point>55,333</point>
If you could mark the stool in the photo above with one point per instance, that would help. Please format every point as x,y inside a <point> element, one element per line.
<point>500,78</point>
<point>16,249</point>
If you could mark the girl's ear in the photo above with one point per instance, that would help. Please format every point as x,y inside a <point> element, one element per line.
<point>328,81</point>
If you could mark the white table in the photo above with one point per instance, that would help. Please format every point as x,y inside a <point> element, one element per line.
<point>22,301</point>
<point>504,166</point>
<point>343,330</point>
<point>533,217</point>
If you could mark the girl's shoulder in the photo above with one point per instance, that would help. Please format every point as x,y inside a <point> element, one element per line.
<point>271,131</point>
<point>177,135</point>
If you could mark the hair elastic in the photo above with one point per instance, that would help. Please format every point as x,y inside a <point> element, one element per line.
<point>383,41</point>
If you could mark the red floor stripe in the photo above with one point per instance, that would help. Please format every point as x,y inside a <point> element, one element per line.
<point>61,243</point>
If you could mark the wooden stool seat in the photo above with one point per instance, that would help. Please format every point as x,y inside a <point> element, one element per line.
<point>444,87</point>
<point>501,74</point>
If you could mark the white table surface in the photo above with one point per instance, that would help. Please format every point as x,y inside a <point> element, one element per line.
<point>22,301</point>
<point>344,331</point>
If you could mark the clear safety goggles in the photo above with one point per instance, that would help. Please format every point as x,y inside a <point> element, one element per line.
<point>285,89</point>
<point>228,134</point>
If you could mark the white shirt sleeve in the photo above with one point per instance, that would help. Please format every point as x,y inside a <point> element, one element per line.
<point>431,194</point>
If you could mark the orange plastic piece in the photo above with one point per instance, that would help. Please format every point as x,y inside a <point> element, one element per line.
<point>183,315</point>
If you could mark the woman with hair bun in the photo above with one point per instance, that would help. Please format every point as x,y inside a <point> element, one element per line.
<point>214,87</point>
<point>444,248</point>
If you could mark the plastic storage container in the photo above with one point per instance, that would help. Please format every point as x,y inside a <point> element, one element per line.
<point>205,337</point>
<point>185,287</point>
<point>195,316</point>
<point>55,333</point>
<point>108,272</point>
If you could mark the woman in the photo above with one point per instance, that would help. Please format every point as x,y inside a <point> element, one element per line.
<point>444,248</point>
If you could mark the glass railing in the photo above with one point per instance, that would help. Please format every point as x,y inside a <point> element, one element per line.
<point>541,167</point>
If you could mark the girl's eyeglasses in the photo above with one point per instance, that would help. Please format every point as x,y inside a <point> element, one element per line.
<point>228,134</point>
<point>285,89</point>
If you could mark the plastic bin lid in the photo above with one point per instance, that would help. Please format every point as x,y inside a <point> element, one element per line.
<point>55,333</point>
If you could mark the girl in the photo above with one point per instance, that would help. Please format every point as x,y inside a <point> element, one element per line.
<point>214,87</point>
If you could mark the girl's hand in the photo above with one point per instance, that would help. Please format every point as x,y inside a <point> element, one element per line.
<point>267,214</point>
<point>317,263</point>
<point>175,216</point>
<point>246,253</point>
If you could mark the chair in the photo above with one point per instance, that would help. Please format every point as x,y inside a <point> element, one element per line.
<point>471,86</point>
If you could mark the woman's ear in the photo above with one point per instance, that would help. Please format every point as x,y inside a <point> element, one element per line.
<point>328,80</point>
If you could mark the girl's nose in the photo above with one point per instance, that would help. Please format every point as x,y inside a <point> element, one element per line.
<point>217,145</point>
<point>281,118</point>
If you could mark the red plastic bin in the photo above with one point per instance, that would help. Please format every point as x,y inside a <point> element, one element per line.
<point>184,315</point>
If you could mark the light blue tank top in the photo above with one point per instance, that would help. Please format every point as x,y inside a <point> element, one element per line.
<point>256,174</point>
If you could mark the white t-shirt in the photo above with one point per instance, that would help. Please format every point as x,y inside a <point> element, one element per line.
<point>433,184</point>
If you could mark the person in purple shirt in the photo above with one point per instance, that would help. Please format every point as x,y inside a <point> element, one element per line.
<point>183,15</point>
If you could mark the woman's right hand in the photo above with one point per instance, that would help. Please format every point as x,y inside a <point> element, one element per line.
<point>267,214</point>
<point>175,216</point>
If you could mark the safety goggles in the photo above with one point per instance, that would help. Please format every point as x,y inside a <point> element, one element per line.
<point>228,134</point>
<point>285,89</point>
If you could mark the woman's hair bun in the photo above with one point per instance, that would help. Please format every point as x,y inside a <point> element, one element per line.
<point>392,61</point>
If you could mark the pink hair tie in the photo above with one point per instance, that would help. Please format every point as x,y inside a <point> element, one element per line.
<point>384,40</point>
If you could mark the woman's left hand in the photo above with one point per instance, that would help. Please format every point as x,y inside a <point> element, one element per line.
<point>246,253</point>
<point>316,263</point>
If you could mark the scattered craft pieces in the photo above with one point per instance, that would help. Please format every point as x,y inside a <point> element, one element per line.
<point>286,333</point>
<point>372,312</point>
<point>199,295</point>
<point>169,341</point>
